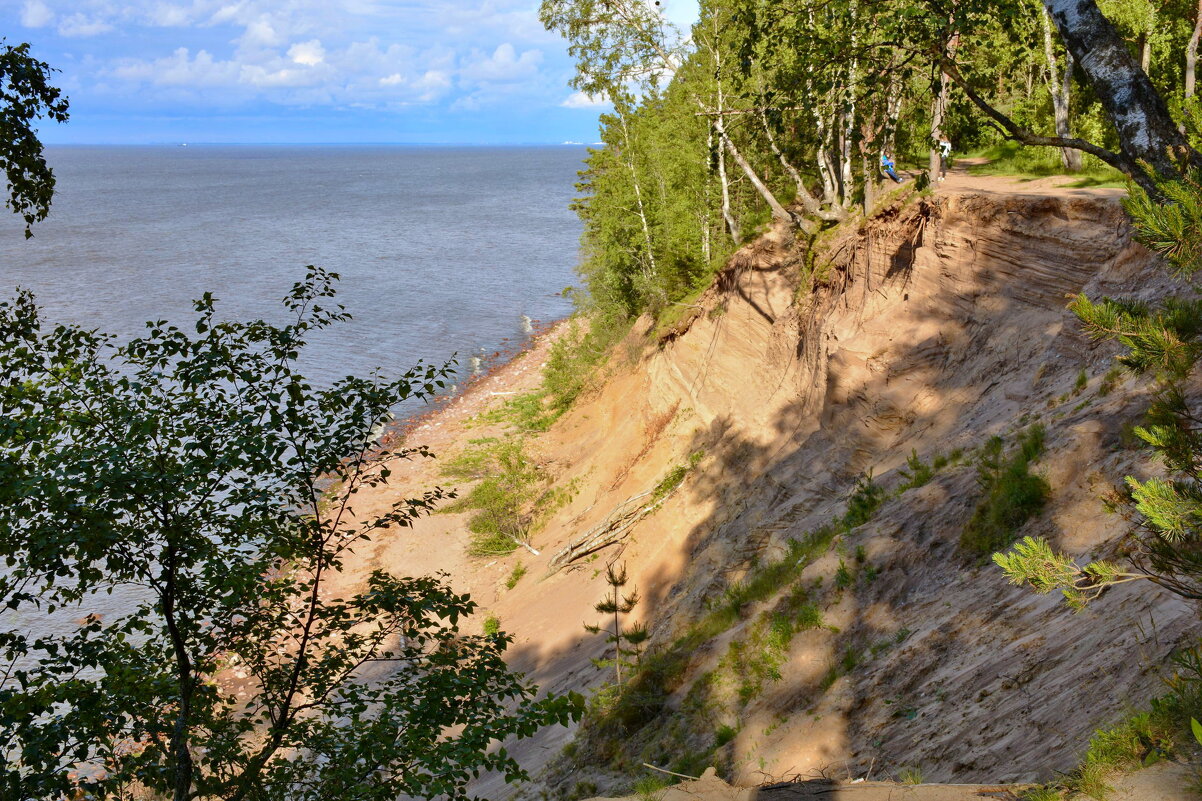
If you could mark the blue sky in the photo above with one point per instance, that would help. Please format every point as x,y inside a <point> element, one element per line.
<point>433,71</point>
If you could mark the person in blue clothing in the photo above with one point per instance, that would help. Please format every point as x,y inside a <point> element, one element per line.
<point>887,167</point>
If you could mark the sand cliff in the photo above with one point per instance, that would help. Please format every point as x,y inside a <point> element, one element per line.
<point>931,327</point>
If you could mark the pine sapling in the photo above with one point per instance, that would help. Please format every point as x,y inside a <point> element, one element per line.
<point>617,604</point>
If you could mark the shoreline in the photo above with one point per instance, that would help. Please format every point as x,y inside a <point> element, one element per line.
<point>509,371</point>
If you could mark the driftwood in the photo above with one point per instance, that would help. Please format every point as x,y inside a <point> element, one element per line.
<point>612,529</point>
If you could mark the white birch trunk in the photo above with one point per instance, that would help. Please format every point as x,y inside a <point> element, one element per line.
<point>649,270</point>
<point>1146,130</point>
<point>1059,87</point>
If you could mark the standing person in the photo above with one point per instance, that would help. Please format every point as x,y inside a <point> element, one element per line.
<point>887,167</point>
<point>945,156</point>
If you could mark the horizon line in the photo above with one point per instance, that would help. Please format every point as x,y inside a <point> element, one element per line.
<point>176,143</point>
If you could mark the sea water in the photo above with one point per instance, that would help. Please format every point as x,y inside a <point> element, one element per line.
<point>441,250</point>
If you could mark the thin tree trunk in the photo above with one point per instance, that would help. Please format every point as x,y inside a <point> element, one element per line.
<point>847,187</point>
<point>649,269</point>
<point>184,767</point>
<point>803,194</point>
<point>1139,114</point>
<point>807,200</point>
<point>732,224</point>
<point>826,170</point>
<point>1191,54</point>
<point>938,109</point>
<point>707,204</point>
<point>618,635</point>
<point>779,212</point>
<point>1059,87</point>
<point>939,114</point>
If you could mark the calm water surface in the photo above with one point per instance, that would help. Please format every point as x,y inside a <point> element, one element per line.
<point>441,250</point>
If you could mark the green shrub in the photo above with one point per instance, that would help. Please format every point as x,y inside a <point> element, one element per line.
<point>725,734</point>
<point>527,413</point>
<point>1011,495</point>
<point>674,477</point>
<point>916,473</point>
<point>509,498</point>
<point>843,577</point>
<point>863,502</point>
<point>574,358</point>
<point>492,625</point>
<point>649,787</point>
<point>519,570</point>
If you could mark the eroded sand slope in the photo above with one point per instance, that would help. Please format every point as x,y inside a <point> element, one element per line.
<point>935,327</point>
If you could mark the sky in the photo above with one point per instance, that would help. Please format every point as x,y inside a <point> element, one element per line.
<point>308,71</point>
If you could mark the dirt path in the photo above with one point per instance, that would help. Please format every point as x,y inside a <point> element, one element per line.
<point>960,181</point>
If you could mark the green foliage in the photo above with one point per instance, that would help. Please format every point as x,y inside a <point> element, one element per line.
<point>492,626</point>
<point>910,775</point>
<point>675,477</point>
<point>25,96</point>
<point>851,659</point>
<point>1171,225</point>
<point>185,469</point>
<point>613,716</point>
<point>843,578</point>
<point>1033,563</point>
<point>916,473</point>
<point>865,499</point>
<point>510,496</point>
<point>574,358</point>
<point>1110,380</point>
<point>649,788</point>
<point>1010,493</point>
<point>515,576</point>
<point>725,734</point>
<point>754,660</point>
<point>1013,159</point>
<point>627,643</point>
<point>1141,740</point>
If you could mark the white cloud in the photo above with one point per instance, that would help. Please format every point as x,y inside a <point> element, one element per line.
<point>181,69</point>
<point>36,14</point>
<point>77,25</point>
<point>582,100</point>
<point>384,54</point>
<point>169,15</point>
<point>503,65</point>
<point>308,54</point>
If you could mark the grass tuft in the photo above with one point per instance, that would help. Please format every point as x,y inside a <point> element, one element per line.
<point>1011,494</point>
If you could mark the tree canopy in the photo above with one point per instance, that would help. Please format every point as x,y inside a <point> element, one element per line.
<point>197,472</point>
<point>26,96</point>
<point>782,109</point>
